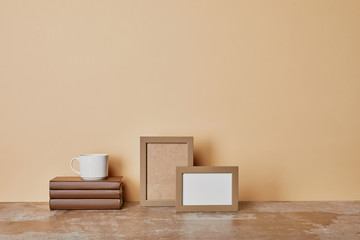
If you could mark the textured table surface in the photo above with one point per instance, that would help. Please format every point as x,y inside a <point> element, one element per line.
<point>255,220</point>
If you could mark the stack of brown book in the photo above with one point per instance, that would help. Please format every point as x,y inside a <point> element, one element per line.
<point>75,193</point>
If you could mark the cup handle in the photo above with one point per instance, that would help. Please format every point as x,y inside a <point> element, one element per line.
<point>71,162</point>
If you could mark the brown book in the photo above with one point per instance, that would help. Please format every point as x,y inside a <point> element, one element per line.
<point>76,183</point>
<point>86,193</point>
<point>85,204</point>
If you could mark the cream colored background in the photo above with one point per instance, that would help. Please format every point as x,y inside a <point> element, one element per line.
<point>271,86</point>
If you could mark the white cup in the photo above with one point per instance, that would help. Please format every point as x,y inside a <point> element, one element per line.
<point>92,166</point>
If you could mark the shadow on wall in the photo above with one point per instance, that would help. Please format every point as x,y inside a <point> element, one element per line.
<point>115,165</point>
<point>203,155</point>
<point>266,186</point>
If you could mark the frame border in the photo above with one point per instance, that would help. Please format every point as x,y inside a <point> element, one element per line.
<point>143,166</point>
<point>206,208</point>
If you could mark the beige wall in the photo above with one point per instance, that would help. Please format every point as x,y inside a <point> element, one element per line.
<point>270,86</point>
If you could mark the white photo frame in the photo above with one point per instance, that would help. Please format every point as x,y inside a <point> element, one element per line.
<point>206,189</point>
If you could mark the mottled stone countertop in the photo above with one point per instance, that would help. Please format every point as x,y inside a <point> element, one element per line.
<point>255,220</point>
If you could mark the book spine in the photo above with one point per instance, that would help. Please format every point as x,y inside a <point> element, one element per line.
<point>74,194</point>
<point>84,185</point>
<point>85,204</point>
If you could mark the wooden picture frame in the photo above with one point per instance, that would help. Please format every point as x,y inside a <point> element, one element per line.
<point>159,157</point>
<point>206,189</point>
